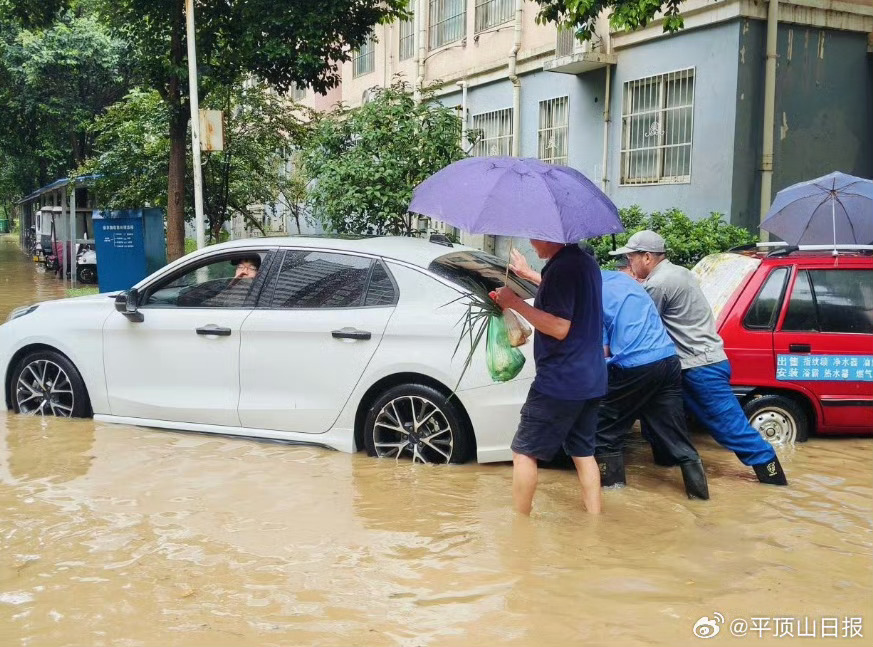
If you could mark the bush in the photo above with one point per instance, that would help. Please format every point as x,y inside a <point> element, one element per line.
<point>687,240</point>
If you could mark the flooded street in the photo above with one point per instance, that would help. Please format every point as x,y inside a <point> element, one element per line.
<point>113,535</point>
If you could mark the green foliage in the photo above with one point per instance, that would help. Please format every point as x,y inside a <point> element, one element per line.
<point>82,292</point>
<point>687,241</point>
<point>133,148</point>
<point>53,81</point>
<point>364,163</point>
<point>626,14</point>
<point>283,43</point>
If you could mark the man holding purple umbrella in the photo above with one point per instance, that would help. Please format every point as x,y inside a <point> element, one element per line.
<point>561,407</point>
<point>555,207</point>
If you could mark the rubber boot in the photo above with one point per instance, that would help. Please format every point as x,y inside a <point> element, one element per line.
<point>611,469</point>
<point>695,480</point>
<point>771,473</point>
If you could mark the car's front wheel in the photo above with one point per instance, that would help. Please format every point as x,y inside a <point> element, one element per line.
<point>45,383</point>
<point>780,420</point>
<point>417,422</point>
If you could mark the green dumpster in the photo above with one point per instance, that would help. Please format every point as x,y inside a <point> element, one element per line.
<point>4,226</point>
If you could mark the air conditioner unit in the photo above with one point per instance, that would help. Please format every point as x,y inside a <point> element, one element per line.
<point>567,44</point>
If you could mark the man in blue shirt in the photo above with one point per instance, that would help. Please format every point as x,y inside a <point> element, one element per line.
<point>645,383</point>
<point>561,408</point>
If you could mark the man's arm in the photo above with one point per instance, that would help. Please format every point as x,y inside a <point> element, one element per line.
<point>546,323</point>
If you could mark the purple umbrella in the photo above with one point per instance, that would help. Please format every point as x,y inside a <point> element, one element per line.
<point>836,208</point>
<point>509,196</point>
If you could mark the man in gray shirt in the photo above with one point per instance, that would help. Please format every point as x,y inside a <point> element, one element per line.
<point>706,371</point>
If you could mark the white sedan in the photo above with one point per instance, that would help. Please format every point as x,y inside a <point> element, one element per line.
<point>340,343</point>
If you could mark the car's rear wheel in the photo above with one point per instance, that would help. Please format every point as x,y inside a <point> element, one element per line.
<point>45,383</point>
<point>779,420</point>
<point>417,422</point>
<point>86,274</point>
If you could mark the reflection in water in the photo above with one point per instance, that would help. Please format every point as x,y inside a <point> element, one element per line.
<point>120,536</point>
<point>48,448</point>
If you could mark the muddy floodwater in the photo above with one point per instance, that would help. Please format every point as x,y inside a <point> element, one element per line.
<point>120,536</point>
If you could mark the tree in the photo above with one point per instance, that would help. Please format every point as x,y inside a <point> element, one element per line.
<point>133,153</point>
<point>581,15</point>
<point>53,81</point>
<point>282,43</point>
<point>364,163</point>
<point>687,240</point>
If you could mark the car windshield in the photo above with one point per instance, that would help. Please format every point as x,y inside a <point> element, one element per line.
<point>721,274</point>
<point>478,271</point>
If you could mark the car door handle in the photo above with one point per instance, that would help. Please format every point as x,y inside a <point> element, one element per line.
<point>212,329</point>
<point>799,348</point>
<point>352,333</point>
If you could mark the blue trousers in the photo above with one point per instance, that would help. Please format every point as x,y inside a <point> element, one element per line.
<point>706,391</point>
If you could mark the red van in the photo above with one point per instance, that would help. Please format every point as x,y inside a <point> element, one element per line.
<point>797,326</point>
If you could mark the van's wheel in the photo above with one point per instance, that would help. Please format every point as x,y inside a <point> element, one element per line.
<point>417,422</point>
<point>87,274</point>
<point>45,383</point>
<point>780,420</point>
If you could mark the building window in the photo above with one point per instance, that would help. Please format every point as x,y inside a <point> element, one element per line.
<point>553,130</point>
<point>490,13</point>
<point>495,129</point>
<point>298,93</point>
<point>407,33</point>
<point>364,58</point>
<point>657,124</point>
<point>448,21</point>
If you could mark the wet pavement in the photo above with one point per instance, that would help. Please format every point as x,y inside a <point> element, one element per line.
<point>113,535</point>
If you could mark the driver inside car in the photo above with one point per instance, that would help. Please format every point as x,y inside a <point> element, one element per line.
<point>246,268</point>
<point>235,291</point>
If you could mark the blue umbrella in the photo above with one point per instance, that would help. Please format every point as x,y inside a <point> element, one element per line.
<point>836,208</point>
<point>509,196</point>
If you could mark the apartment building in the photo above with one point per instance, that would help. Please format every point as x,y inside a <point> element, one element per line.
<point>659,120</point>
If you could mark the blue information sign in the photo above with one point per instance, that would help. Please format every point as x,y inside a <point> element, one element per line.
<point>831,368</point>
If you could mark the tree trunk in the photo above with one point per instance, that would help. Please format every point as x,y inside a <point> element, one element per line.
<point>178,134</point>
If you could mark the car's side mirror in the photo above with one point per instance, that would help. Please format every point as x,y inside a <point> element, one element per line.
<point>126,304</point>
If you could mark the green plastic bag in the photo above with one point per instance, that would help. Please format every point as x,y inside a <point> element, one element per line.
<point>504,361</point>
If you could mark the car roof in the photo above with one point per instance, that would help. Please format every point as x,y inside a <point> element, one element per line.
<point>807,257</point>
<point>415,251</point>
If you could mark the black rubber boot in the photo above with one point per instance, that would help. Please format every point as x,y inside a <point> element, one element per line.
<point>771,473</point>
<point>695,480</point>
<point>611,469</point>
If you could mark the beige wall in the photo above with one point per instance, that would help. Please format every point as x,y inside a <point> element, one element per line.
<point>468,58</point>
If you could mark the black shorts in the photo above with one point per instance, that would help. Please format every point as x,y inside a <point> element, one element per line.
<point>547,424</point>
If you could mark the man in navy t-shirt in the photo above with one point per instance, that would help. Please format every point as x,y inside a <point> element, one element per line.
<point>561,408</point>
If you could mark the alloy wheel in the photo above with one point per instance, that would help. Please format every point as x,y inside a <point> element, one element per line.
<point>413,427</point>
<point>44,389</point>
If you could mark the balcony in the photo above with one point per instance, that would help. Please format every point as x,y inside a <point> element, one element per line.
<point>575,57</point>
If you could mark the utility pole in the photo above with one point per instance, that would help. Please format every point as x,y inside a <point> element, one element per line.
<point>193,99</point>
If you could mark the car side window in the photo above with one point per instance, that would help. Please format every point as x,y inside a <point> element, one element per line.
<point>381,290</point>
<point>762,314</point>
<point>317,279</point>
<point>844,299</point>
<point>231,282</point>
<point>801,313</point>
